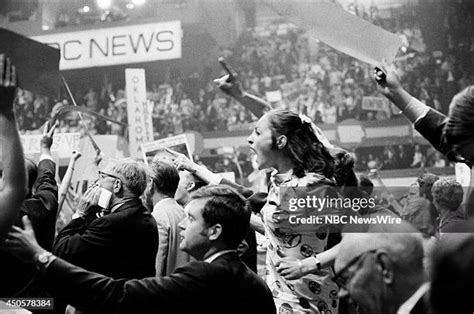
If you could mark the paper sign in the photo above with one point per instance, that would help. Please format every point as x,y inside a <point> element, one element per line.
<point>176,143</point>
<point>340,29</point>
<point>37,65</point>
<point>63,144</point>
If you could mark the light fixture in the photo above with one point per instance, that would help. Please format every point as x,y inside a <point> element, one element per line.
<point>104,4</point>
<point>86,9</point>
<point>130,6</point>
<point>138,2</point>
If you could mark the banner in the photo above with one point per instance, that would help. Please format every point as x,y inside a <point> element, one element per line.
<point>63,144</point>
<point>117,45</point>
<point>178,143</point>
<point>139,110</point>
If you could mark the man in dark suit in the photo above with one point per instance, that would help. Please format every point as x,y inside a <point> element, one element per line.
<point>41,206</point>
<point>218,282</point>
<point>119,239</point>
<point>382,270</point>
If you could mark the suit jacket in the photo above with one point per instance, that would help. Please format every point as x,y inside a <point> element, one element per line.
<point>168,215</point>
<point>122,244</point>
<point>431,127</point>
<point>224,286</point>
<point>41,208</point>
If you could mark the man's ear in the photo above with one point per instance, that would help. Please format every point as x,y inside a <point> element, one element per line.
<point>281,141</point>
<point>214,232</point>
<point>385,266</point>
<point>118,186</point>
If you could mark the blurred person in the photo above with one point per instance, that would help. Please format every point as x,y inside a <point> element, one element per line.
<point>418,158</point>
<point>420,211</point>
<point>12,192</point>
<point>366,185</point>
<point>381,270</point>
<point>447,197</point>
<point>217,219</point>
<point>168,214</point>
<point>453,273</point>
<point>41,206</point>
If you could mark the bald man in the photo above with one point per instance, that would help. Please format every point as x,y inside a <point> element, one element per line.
<point>382,270</point>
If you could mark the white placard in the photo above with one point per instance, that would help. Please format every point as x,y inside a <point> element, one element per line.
<point>139,111</point>
<point>117,45</point>
<point>63,144</point>
<point>178,143</point>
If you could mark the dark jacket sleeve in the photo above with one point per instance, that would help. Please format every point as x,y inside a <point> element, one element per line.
<point>46,187</point>
<point>82,236</point>
<point>431,127</point>
<point>42,207</point>
<point>90,291</point>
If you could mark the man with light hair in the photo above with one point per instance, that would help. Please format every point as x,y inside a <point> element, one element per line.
<point>381,270</point>
<point>115,237</point>
<point>447,197</point>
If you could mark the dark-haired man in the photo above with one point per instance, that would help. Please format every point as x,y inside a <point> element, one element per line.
<point>217,221</point>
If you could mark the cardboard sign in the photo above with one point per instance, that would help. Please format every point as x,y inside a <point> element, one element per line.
<point>139,110</point>
<point>340,29</point>
<point>37,65</point>
<point>177,143</point>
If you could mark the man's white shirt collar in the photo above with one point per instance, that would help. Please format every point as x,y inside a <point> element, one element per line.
<point>211,258</point>
<point>409,304</point>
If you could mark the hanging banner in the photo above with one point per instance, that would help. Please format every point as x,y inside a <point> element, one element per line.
<point>139,110</point>
<point>117,45</point>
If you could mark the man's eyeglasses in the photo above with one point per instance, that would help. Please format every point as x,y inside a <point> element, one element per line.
<point>340,279</point>
<point>103,175</point>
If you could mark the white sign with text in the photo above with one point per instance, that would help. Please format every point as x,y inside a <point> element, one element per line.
<point>140,128</point>
<point>117,45</point>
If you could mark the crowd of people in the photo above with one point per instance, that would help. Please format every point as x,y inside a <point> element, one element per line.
<point>174,236</point>
<point>280,60</point>
<point>131,246</point>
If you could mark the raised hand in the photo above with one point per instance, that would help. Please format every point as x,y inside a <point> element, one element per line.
<point>48,133</point>
<point>22,242</point>
<point>229,83</point>
<point>387,78</point>
<point>7,84</point>
<point>181,162</point>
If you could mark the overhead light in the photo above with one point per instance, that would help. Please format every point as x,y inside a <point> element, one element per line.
<point>104,4</point>
<point>45,27</point>
<point>138,2</point>
<point>84,9</point>
<point>130,6</point>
